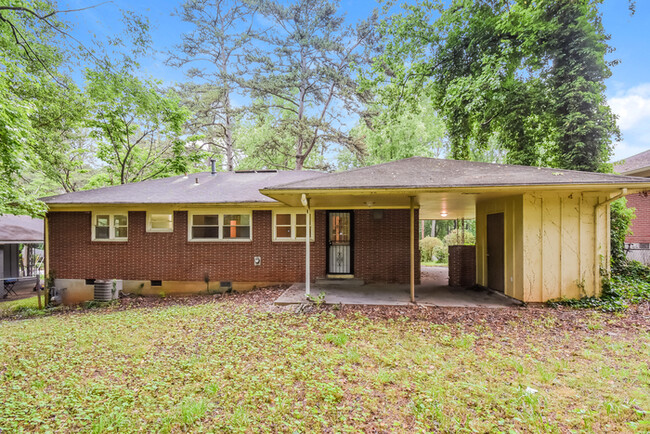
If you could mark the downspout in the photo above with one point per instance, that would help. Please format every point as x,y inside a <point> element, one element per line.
<point>412,247</point>
<point>46,254</point>
<point>46,248</point>
<point>596,230</point>
<point>305,202</point>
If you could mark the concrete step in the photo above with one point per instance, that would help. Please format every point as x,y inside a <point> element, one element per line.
<point>324,282</point>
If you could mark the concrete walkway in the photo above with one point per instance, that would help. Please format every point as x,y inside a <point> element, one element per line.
<point>433,291</point>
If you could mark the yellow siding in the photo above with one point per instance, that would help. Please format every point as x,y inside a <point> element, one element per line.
<point>555,244</point>
<point>511,207</point>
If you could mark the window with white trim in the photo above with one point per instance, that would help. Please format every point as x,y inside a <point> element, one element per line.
<point>291,226</point>
<point>110,227</point>
<point>236,226</point>
<point>225,227</point>
<point>160,222</point>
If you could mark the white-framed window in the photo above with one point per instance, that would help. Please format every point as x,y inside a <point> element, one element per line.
<point>291,226</point>
<point>220,226</point>
<point>110,226</point>
<point>160,222</point>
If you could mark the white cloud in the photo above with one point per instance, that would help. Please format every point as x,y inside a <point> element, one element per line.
<point>632,106</point>
<point>633,109</point>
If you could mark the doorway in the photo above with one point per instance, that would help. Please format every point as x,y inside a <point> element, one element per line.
<point>495,252</point>
<point>339,242</point>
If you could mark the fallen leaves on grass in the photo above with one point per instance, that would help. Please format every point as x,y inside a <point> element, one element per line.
<point>237,363</point>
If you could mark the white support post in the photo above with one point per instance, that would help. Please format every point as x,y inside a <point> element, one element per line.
<point>412,248</point>
<point>305,202</point>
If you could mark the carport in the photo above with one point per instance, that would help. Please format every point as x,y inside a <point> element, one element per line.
<point>541,233</point>
<point>21,254</point>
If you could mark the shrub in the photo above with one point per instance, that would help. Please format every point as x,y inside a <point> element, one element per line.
<point>455,238</point>
<point>621,217</point>
<point>441,253</point>
<point>428,248</point>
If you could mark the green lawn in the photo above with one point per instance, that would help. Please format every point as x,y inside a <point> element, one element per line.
<point>234,366</point>
<point>434,264</point>
<point>29,305</point>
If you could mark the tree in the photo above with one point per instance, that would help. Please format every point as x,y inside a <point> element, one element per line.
<point>29,65</point>
<point>221,34</point>
<point>136,126</point>
<point>529,75</point>
<point>44,110</point>
<point>302,69</point>
<point>388,137</point>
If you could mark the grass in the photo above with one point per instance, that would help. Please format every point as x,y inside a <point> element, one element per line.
<point>231,367</point>
<point>25,307</point>
<point>434,264</point>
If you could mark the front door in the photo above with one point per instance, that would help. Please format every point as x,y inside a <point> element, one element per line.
<point>495,251</point>
<point>339,242</point>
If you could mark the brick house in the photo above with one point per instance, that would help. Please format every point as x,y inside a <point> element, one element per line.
<point>638,242</point>
<point>541,233</point>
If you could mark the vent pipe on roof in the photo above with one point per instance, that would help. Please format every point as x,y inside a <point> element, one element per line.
<point>213,166</point>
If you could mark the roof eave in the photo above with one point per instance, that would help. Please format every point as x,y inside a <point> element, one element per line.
<point>640,186</point>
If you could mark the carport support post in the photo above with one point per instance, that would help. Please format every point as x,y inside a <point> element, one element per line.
<point>305,203</point>
<point>412,201</point>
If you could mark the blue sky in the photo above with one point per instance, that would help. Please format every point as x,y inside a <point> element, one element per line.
<point>628,90</point>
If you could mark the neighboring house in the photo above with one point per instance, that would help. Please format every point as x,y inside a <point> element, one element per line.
<point>541,233</point>
<point>16,232</point>
<point>638,243</point>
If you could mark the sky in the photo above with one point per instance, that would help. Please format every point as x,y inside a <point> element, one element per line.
<point>628,89</point>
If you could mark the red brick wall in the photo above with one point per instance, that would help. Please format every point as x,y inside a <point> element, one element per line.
<point>462,265</point>
<point>381,246</point>
<point>641,224</point>
<point>381,251</point>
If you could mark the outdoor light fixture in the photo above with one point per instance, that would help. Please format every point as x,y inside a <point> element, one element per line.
<point>369,203</point>
<point>443,214</point>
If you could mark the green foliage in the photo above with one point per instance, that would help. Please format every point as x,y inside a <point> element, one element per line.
<point>302,69</point>
<point>28,66</point>
<point>221,31</point>
<point>416,132</point>
<point>265,143</point>
<point>619,292</point>
<point>318,300</point>
<point>137,127</point>
<point>456,237</point>
<point>431,249</point>
<point>621,217</point>
<point>529,75</point>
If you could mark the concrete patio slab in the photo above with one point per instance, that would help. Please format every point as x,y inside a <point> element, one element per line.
<point>433,291</point>
<point>398,295</point>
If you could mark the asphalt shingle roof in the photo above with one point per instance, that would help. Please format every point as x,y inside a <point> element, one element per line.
<point>422,172</point>
<point>20,228</point>
<point>224,187</point>
<point>635,162</point>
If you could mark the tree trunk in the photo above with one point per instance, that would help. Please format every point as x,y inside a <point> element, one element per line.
<point>228,139</point>
<point>230,165</point>
<point>300,162</point>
